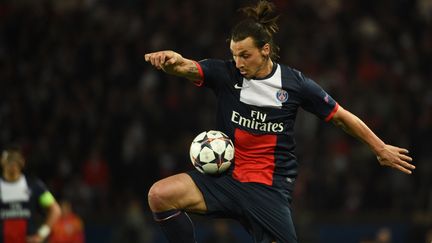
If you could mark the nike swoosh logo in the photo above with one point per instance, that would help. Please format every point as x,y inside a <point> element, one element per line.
<point>236,86</point>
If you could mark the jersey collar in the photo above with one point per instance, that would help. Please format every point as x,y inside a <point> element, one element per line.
<point>275,65</point>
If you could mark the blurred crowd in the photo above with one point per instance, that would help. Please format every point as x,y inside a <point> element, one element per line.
<point>99,125</point>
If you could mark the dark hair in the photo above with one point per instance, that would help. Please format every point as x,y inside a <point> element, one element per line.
<point>13,153</point>
<point>260,24</point>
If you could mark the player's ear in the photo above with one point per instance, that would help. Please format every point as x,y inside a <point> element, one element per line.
<point>265,50</point>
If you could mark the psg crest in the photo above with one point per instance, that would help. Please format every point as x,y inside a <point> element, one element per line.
<point>282,95</point>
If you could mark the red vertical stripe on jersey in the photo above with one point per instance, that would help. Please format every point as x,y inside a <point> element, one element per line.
<point>14,231</point>
<point>254,157</point>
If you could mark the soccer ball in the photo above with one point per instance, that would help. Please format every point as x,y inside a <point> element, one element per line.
<point>212,152</point>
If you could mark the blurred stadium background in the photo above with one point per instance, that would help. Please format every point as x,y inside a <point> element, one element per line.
<point>99,125</point>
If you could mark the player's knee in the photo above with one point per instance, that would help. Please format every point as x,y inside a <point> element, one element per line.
<point>158,198</point>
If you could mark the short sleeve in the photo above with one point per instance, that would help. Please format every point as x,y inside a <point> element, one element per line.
<point>44,197</point>
<point>317,101</point>
<point>213,72</point>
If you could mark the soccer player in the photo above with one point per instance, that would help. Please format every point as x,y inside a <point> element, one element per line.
<point>257,100</point>
<point>21,197</point>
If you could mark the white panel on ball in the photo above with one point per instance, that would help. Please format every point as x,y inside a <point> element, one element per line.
<point>214,134</point>
<point>200,136</point>
<point>218,146</point>
<point>210,168</point>
<point>206,155</point>
<point>229,152</point>
<point>224,166</point>
<point>195,150</point>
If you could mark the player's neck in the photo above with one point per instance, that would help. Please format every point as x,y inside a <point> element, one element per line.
<point>265,70</point>
<point>11,177</point>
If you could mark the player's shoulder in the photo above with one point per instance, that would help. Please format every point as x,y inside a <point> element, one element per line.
<point>34,182</point>
<point>292,77</point>
<point>220,67</point>
<point>217,62</point>
<point>291,73</point>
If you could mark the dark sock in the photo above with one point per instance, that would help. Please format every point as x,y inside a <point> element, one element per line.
<point>176,225</point>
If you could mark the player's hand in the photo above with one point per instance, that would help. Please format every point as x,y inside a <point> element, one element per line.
<point>34,239</point>
<point>164,60</point>
<point>395,157</point>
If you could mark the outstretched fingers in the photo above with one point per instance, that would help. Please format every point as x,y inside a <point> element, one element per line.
<point>405,157</point>
<point>401,168</point>
<point>403,164</point>
<point>397,158</point>
<point>402,150</point>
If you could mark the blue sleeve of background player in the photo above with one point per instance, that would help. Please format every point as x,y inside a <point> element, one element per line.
<point>38,187</point>
<point>317,101</point>
<point>213,73</point>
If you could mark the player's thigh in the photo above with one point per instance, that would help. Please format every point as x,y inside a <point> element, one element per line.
<point>176,192</point>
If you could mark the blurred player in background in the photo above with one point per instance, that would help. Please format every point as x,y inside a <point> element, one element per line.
<point>69,228</point>
<point>258,100</point>
<point>21,198</point>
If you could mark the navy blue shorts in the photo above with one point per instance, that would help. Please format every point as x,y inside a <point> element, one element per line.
<point>263,210</point>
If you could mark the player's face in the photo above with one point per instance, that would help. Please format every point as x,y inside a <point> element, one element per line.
<point>251,61</point>
<point>12,164</point>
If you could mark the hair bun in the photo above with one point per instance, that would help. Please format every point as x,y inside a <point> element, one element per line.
<point>263,13</point>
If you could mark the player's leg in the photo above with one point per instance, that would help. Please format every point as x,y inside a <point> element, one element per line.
<point>176,192</point>
<point>271,220</point>
<point>169,199</point>
<point>266,213</point>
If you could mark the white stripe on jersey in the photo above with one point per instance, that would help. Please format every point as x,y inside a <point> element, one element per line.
<point>16,191</point>
<point>262,92</point>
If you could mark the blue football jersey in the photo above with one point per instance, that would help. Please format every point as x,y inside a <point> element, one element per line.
<point>19,202</point>
<point>259,115</point>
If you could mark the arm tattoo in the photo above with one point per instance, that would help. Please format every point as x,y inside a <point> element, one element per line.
<point>193,70</point>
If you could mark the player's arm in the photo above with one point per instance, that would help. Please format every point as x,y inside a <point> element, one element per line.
<point>46,201</point>
<point>173,63</point>
<point>387,155</point>
<point>52,208</point>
